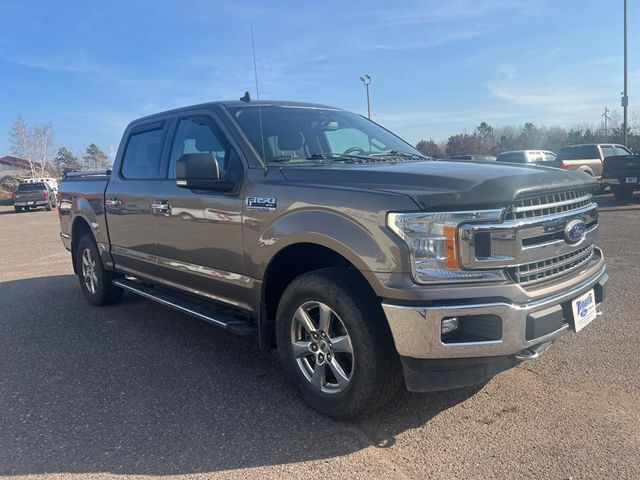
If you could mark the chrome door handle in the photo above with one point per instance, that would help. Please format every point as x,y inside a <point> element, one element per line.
<point>113,202</point>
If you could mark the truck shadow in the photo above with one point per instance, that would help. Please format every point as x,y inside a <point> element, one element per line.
<point>139,389</point>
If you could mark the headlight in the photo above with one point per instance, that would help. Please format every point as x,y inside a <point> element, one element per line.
<point>432,239</point>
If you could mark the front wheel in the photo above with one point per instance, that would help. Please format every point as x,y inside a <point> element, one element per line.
<point>95,280</point>
<point>17,209</point>
<point>335,344</point>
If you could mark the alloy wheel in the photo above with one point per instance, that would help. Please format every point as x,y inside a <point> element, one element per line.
<point>89,270</point>
<point>322,347</point>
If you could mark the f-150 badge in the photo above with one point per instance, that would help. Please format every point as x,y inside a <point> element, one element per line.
<point>261,204</point>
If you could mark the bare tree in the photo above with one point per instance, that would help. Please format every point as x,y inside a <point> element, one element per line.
<point>21,142</point>
<point>42,139</point>
<point>32,144</point>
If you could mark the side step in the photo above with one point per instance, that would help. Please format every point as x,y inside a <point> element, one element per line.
<point>231,323</point>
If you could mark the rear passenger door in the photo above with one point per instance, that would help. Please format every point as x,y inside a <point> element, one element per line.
<point>128,199</point>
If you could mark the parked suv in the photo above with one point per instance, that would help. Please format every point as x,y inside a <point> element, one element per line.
<point>532,157</point>
<point>588,157</point>
<point>365,264</point>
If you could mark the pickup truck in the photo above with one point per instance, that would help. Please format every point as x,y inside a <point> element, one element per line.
<point>364,264</point>
<point>33,195</point>
<point>588,157</point>
<point>622,174</point>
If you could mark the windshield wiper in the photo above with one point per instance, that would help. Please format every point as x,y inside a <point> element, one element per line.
<point>396,153</point>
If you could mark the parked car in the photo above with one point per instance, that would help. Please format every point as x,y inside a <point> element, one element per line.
<point>622,174</point>
<point>472,158</point>
<point>337,243</point>
<point>588,157</point>
<point>531,157</point>
<point>33,195</point>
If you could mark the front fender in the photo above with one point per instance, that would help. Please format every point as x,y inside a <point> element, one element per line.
<point>364,242</point>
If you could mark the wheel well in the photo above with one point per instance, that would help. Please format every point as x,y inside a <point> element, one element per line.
<point>79,228</point>
<point>291,262</point>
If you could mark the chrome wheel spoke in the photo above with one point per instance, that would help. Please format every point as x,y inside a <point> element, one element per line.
<point>324,318</point>
<point>338,372</point>
<point>341,344</point>
<point>301,349</point>
<point>318,376</point>
<point>305,320</point>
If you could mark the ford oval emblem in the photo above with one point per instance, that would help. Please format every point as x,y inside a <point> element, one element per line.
<point>575,231</point>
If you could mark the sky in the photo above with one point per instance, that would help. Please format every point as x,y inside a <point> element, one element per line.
<point>437,67</point>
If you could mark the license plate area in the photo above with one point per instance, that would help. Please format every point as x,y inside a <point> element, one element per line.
<point>631,180</point>
<point>583,310</point>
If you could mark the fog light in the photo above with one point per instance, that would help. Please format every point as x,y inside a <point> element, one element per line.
<point>449,325</point>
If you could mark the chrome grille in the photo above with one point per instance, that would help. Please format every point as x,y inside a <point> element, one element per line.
<point>549,204</point>
<point>545,270</point>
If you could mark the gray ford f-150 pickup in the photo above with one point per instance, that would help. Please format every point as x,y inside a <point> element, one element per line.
<point>363,262</point>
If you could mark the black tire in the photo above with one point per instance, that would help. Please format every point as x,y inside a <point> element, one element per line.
<point>17,209</point>
<point>48,206</point>
<point>375,373</point>
<point>104,292</point>
<point>623,193</point>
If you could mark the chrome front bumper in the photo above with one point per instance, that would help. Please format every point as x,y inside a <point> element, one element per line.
<point>416,330</point>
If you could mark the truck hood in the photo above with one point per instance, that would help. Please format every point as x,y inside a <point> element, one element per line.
<point>445,185</point>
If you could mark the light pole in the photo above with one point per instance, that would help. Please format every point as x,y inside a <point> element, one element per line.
<point>366,79</point>
<point>625,98</point>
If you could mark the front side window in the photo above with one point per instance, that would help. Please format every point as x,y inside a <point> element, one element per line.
<point>142,156</point>
<point>199,135</point>
<point>621,150</point>
<point>292,134</point>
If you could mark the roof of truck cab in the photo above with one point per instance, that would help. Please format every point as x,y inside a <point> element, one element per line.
<point>238,103</point>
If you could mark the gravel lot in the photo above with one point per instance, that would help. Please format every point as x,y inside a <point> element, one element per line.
<point>139,390</point>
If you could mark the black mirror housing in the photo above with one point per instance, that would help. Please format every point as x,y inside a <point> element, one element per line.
<point>198,171</point>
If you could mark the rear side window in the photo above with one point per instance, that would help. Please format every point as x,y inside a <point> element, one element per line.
<point>608,151</point>
<point>579,152</point>
<point>142,156</point>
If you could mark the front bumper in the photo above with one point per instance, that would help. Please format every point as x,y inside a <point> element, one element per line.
<point>525,331</point>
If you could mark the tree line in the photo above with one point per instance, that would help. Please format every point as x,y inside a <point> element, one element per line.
<point>35,144</point>
<point>490,140</point>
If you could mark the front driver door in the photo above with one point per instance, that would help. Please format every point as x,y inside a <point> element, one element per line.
<point>199,232</point>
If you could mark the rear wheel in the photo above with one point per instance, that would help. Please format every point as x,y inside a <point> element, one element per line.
<point>623,193</point>
<point>48,206</point>
<point>95,280</point>
<point>335,344</point>
<point>17,209</point>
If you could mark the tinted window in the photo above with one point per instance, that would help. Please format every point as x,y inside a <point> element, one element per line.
<point>578,152</point>
<point>199,135</point>
<point>621,150</point>
<point>511,157</point>
<point>608,151</point>
<point>31,187</point>
<point>549,156</point>
<point>142,156</point>
<point>536,157</point>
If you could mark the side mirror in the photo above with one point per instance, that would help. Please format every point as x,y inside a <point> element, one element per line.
<point>198,170</point>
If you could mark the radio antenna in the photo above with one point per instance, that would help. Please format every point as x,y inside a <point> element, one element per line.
<point>255,74</point>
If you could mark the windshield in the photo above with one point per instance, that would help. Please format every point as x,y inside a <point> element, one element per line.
<point>309,135</point>
<point>31,187</point>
